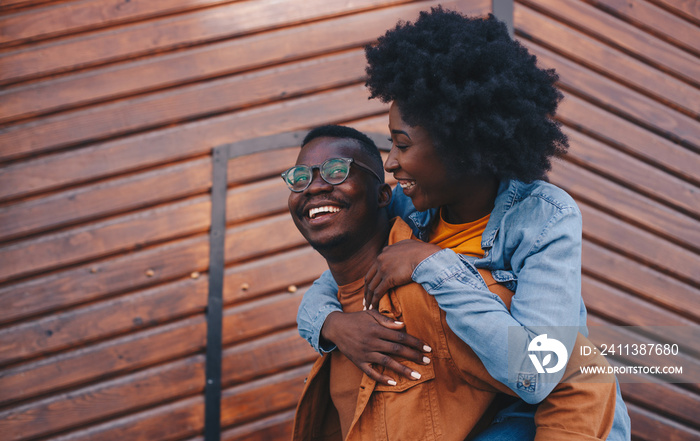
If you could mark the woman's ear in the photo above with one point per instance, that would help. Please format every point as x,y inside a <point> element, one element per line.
<point>384,195</point>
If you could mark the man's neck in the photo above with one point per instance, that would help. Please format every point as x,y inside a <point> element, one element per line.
<point>353,265</point>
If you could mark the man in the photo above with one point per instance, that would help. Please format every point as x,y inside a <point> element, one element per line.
<point>338,202</point>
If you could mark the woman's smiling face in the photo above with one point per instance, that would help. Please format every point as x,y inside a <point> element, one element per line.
<point>416,165</point>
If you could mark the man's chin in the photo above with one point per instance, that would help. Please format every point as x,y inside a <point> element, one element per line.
<point>327,245</point>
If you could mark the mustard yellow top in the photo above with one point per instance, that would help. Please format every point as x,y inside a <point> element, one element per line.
<point>461,238</point>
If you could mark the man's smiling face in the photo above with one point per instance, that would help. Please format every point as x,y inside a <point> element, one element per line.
<point>332,216</point>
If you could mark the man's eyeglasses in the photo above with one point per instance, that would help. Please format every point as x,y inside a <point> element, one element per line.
<point>334,171</point>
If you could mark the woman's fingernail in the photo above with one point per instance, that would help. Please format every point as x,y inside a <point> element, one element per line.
<point>415,375</point>
<point>399,323</point>
<point>364,308</point>
<point>363,302</point>
<point>392,382</point>
<point>370,306</point>
<point>427,348</point>
<point>426,360</point>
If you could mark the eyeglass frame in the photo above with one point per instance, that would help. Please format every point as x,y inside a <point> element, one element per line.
<point>318,167</point>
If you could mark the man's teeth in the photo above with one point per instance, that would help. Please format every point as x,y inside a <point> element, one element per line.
<point>407,185</point>
<point>328,209</point>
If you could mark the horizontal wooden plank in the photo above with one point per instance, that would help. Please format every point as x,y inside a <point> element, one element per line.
<point>104,360</point>
<point>604,27</point>
<point>205,62</point>
<point>688,9</point>
<point>185,103</point>
<point>291,269</point>
<point>639,244</point>
<point>626,204</point>
<point>183,141</point>
<point>102,320</point>
<point>160,383</point>
<point>633,173</point>
<point>665,24</point>
<point>106,237</point>
<point>264,356</point>
<point>261,316</point>
<point>622,306</point>
<point>624,101</point>
<point>171,421</point>
<point>259,238</point>
<point>645,283</point>
<point>265,164</point>
<point>648,426</point>
<point>75,16</point>
<point>105,198</point>
<point>82,406</point>
<point>242,282</point>
<point>225,21</point>
<point>104,278</point>
<point>664,399</point>
<point>614,63</point>
<point>258,199</point>
<point>631,138</point>
<point>275,427</point>
<point>252,400</point>
<point>185,418</point>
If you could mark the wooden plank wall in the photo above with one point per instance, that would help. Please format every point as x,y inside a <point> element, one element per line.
<point>630,71</point>
<point>109,110</point>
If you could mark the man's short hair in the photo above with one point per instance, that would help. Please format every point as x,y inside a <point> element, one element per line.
<point>343,132</point>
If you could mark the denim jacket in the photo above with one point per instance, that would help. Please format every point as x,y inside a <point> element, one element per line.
<point>532,244</point>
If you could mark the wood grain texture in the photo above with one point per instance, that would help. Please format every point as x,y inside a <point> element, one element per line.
<point>205,62</point>
<point>186,103</point>
<point>184,140</point>
<point>608,60</point>
<point>92,202</point>
<point>655,19</point>
<point>104,278</point>
<point>630,206</point>
<point>69,17</point>
<point>603,26</point>
<point>623,101</point>
<point>225,21</point>
<point>106,237</point>
<point>630,138</point>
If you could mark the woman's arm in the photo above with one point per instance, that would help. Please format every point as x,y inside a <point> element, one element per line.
<point>547,299</point>
<point>366,337</point>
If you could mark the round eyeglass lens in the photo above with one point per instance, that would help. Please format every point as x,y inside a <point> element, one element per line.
<point>335,171</point>
<point>298,177</point>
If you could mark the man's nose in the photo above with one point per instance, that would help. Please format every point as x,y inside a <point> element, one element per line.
<point>392,163</point>
<point>318,184</point>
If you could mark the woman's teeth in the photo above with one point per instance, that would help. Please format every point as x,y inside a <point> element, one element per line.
<point>407,185</point>
<point>328,209</point>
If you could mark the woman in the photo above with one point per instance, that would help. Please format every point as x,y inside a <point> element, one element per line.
<point>472,137</point>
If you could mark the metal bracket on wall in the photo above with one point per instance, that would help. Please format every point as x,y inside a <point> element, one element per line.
<point>503,10</point>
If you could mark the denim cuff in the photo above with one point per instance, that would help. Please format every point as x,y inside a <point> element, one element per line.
<point>317,324</point>
<point>441,267</point>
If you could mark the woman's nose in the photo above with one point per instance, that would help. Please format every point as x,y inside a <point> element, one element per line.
<point>391,164</point>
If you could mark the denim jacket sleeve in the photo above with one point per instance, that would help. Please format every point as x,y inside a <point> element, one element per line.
<point>318,301</point>
<point>546,262</point>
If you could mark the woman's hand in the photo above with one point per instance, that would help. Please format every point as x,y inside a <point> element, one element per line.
<point>367,337</point>
<point>394,267</point>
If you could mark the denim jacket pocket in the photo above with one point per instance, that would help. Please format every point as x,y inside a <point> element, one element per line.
<point>506,278</point>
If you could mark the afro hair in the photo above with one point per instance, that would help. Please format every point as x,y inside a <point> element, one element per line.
<point>480,95</point>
